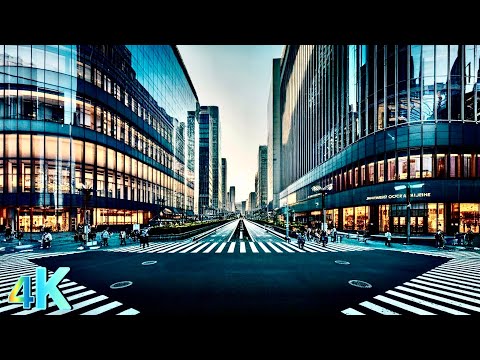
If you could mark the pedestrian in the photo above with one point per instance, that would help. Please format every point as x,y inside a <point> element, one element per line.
<point>123,236</point>
<point>439,239</point>
<point>388,238</point>
<point>146,237</point>
<point>470,236</point>
<point>334,234</point>
<point>105,237</point>
<point>46,239</point>
<point>323,236</point>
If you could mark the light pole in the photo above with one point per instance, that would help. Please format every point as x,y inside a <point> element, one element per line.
<point>324,213</point>
<point>87,195</point>
<point>286,222</point>
<point>408,188</point>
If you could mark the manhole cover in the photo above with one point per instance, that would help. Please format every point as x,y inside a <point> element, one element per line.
<point>121,284</point>
<point>149,262</point>
<point>359,283</point>
<point>342,262</point>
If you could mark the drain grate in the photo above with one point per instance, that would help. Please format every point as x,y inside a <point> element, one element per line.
<point>342,262</point>
<point>360,284</point>
<point>149,262</point>
<point>121,285</point>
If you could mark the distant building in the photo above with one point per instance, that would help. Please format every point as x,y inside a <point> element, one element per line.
<point>262,192</point>
<point>205,160</point>
<point>232,198</point>
<point>244,207</point>
<point>252,201</point>
<point>225,200</point>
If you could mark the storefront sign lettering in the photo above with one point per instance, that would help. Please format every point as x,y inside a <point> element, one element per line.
<point>399,196</point>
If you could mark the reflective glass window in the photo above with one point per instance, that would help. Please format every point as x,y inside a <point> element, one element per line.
<point>455,81</point>
<point>470,75</point>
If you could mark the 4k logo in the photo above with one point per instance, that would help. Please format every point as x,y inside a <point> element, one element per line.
<point>44,288</point>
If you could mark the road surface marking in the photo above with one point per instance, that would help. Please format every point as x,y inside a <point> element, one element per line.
<point>199,244</point>
<point>296,248</point>
<point>286,248</point>
<point>430,289</point>
<point>211,247</point>
<point>264,248</point>
<point>231,248</point>
<point>449,283</point>
<point>201,247</point>
<point>448,276</point>
<point>274,247</point>
<point>401,305</point>
<point>80,305</point>
<point>129,312</point>
<point>439,298</point>
<point>220,248</point>
<point>426,303</point>
<point>70,298</point>
<point>453,280</point>
<point>378,308</point>
<point>242,247</point>
<point>446,288</point>
<point>103,308</point>
<point>351,311</point>
<point>252,246</point>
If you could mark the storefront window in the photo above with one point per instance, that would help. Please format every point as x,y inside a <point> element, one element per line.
<point>469,217</point>
<point>1,176</point>
<point>383,218</point>
<point>361,217</point>
<point>100,182</point>
<point>402,168</point>
<point>348,219</point>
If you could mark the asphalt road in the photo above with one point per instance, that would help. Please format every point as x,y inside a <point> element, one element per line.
<point>242,284</point>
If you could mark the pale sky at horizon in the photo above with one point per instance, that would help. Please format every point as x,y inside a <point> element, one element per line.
<point>237,79</point>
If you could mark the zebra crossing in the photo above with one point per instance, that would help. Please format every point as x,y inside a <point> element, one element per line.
<point>82,300</point>
<point>452,288</point>
<point>445,254</point>
<point>230,247</point>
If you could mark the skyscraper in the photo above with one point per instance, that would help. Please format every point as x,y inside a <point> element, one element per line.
<point>205,160</point>
<point>262,193</point>
<point>232,198</point>
<point>274,137</point>
<point>217,198</point>
<point>224,184</point>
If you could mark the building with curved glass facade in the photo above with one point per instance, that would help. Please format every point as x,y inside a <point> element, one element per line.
<point>113,118</point>
<point>368,118</point>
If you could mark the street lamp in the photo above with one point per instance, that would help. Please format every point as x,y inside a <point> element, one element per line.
<point>323,191</point>
<point>408,188</point>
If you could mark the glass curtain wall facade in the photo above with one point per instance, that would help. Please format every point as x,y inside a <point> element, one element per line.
<point>205,160</point>
<point>224,184</point>
<point>109,117</point>
<point>274,136</point>
<point>366,118</point>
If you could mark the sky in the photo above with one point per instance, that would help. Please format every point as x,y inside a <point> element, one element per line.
<point>237,79</point>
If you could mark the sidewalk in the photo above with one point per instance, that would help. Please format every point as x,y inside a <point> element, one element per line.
<point>61,241</point>
<point>380,244</point>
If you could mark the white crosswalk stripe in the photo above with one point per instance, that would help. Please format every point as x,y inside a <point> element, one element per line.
<point>452,288</point>
<point>256,247</point>
<point>15,265</point>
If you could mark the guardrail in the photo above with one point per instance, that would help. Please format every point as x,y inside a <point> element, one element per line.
<point>187,234</point>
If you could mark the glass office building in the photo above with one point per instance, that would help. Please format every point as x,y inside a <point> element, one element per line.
<point>109,118</point>
<point>368,118</point>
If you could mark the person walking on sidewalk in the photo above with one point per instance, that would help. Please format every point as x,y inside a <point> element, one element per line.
<point>105,237</point>
<point>388,238</point>
<point>123,236</point>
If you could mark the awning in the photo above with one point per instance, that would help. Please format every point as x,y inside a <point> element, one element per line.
<point>190,213</point>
